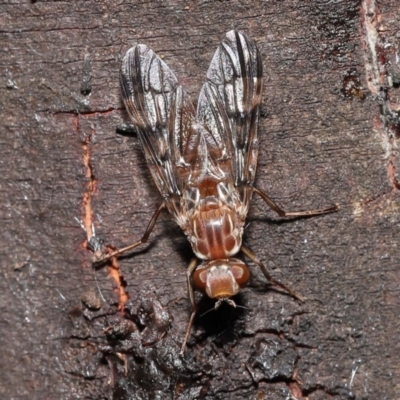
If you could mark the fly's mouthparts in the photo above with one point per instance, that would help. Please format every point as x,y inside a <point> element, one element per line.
<point>224,300</point>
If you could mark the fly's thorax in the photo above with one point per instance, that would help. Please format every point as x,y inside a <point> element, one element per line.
<point>214,226</point>
<point>216,231</point>
<point>221,279</point>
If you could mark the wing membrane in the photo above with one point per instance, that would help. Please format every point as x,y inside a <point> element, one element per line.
<point>165,119</point>
<point>182,147</point>
<point>228,108</point>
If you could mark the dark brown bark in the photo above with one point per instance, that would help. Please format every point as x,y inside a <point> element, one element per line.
<point>329,134</point>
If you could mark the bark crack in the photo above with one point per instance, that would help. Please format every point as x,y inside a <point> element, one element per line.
<point>87,220</point>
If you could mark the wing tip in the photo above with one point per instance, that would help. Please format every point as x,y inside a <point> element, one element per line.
<point>242,43</point>
<point>237,36</point>
<point>142,48</point>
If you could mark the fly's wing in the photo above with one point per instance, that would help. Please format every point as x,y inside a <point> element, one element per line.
<point>164,118</point>
<point>228,109</point>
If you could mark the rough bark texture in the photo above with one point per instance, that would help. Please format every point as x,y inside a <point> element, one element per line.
<point>329,134</point>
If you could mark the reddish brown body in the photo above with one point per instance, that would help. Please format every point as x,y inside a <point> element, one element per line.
<point>214,228</point>
<point>203,162</point>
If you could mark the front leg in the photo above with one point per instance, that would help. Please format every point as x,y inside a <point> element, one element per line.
<point>247,252</point>
<point>192,266</point>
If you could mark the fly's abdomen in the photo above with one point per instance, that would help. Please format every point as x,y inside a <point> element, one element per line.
<point>216,233</point>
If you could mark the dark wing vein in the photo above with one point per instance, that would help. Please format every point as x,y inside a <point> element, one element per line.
<point>164,118</point>
<point>228,107</point>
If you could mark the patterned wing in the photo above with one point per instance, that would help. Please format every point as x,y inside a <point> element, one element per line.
<point>164,117</point>
<point>228,108</point>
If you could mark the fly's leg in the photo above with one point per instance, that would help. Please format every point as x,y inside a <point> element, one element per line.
<point>283,213</point>
<point>247,252</point>
<point>143,240</point>
<point>192,266</point>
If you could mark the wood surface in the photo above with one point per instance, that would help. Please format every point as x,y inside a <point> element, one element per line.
<point>329,134</point>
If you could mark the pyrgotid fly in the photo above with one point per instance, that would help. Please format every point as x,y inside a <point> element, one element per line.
<point>203,161</point>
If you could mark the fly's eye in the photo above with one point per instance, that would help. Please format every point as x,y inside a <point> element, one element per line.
<point>200,279</point>
<point>241,274</point>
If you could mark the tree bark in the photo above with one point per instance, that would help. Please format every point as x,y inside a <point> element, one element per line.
<point>328,134</point>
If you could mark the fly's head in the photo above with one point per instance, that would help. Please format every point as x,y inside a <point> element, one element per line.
<point>221,279</point>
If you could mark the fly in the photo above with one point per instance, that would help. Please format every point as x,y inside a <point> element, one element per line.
<point>203,161</point>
